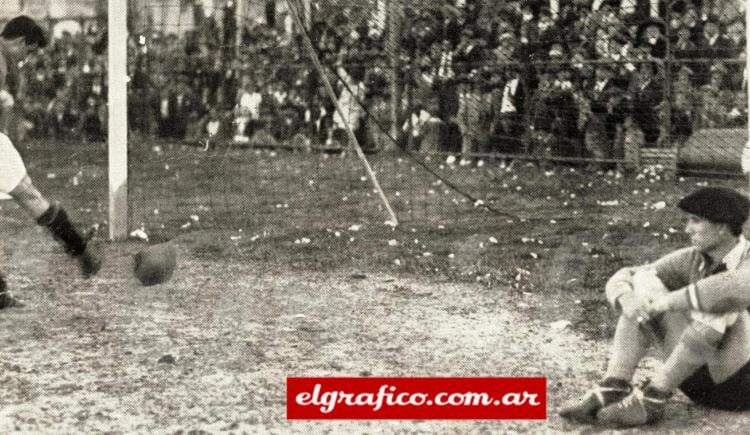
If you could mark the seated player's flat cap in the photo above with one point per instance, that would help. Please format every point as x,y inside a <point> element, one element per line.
<point>717,204</point>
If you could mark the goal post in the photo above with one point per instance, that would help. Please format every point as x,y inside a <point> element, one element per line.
<point>746,152</point>
<point>117,140</point>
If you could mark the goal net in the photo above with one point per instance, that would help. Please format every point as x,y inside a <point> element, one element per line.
<point>441,97</point>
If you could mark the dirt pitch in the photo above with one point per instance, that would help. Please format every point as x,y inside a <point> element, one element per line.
<point>209,352</point>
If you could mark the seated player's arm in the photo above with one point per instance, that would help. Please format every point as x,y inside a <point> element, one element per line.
<point>722,293</point>
<point>672,270</point>
<point>619,284</point>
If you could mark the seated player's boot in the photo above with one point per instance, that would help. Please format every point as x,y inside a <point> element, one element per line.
<point>609,391</point>
<point>639,408</point>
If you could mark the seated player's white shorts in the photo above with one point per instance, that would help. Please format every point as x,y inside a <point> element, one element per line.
<point>12,169</point>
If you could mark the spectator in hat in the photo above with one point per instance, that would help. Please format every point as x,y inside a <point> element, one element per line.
<point>716,101</point>
<point>540,115</point>
<point>246,109</point>
<point>92,128</point>
<point>508,108</point>
<point>547,32</point>
<point>469,53</point>
<point>353,91</point>
<point>601,43</point>
<point>692,304</point>
<point>606,111</point>
<point>564,107</point>
<point>183,108</point>
<point>650,34</point>
<point>445,84</point>
<point>528,33</point>
<point>690,19</point>
<point>472,102</point>
<point>647,94</point>
<point>684,45</point>
<point>608,12</point>
<point>582,70</point>
<point>737,111</point>
<point>214,126</point>
<point>684,49</point>
<point>620,49</point>
<point>418,127</point>
<point>727,10</point>
<point>685,103</point>
<point>712,45</point>
<point>736,34</point>
<point>506,48</point>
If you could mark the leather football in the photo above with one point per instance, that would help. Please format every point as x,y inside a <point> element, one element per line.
<point>155,264</point>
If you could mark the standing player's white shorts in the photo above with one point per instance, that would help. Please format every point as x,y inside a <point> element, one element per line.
<point>12,169</point>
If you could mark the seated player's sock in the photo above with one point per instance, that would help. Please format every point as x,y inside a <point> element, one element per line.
<point>57,221</point>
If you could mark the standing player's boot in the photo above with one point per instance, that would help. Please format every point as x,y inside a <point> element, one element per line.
<point>57,221</point>
<point>609,391</point>
<point>90,260</point>
<point>640,407</point>
<point>6,299</point>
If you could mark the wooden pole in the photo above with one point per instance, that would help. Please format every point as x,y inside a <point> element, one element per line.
<point>332,95</point>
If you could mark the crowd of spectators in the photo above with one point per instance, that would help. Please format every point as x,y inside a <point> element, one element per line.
<point>63,89</point>
<point>200,87</point>
<point>577,78</point>
<point>581,80</point>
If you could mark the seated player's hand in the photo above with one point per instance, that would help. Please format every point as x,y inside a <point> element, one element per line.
<point>657,306</point>
<point>647,284</point>
<point>634,307</point>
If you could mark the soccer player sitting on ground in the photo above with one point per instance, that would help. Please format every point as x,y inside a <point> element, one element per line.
<point>692,304</point>
<point>18,38</point>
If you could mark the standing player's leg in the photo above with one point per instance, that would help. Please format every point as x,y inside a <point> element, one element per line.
<point>15,182</point>
<point>54,217</point>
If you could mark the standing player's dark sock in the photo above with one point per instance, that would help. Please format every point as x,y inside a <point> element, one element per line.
<point>57,221</point>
